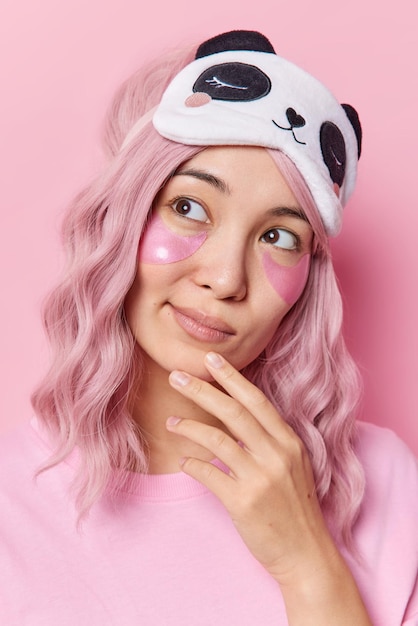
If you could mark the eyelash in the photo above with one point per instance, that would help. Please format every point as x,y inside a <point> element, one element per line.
<point>185,200</point>
<point>295,237</point>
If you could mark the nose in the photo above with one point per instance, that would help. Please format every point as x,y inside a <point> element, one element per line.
<point>223,269</point>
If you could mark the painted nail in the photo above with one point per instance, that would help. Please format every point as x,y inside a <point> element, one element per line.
<point>214,360</point>
<point>172,420</point>
<point>180,379</point>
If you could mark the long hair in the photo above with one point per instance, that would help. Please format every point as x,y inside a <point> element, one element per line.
<point>84,398</point>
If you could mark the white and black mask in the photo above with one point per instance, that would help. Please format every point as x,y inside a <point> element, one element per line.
<point>239,92</point>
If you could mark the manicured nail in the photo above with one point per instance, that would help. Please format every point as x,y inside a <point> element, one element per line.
<point>172,420</point>
<point>214,360</point>
<point>180,379</point>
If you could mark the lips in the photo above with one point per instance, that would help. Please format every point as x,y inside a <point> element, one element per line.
<point>202,326</point>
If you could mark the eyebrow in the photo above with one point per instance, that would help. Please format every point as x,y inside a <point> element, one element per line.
<point>291,212</point>
<point>213,180</point>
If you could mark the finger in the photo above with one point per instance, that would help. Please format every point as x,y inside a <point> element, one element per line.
<point>218,442</point>
<point>209,475</point>
<point>240,388</point>
<point>231,413</point>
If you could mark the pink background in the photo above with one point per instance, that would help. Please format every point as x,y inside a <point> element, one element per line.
<point>59,65</point>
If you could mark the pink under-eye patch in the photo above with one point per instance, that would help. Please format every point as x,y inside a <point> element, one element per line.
<point>289,282</point>
<point>160,245</point>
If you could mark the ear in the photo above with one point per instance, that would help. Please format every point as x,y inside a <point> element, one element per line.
<point>355,123</point>
<point>333,151</point>
<point>235,40</point>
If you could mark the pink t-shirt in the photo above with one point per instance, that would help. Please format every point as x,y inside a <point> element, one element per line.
<point>168,554</point>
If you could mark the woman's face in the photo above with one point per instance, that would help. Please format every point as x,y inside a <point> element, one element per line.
<point>223,259</point>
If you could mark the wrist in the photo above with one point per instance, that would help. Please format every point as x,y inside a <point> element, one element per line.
<point>322,592</point>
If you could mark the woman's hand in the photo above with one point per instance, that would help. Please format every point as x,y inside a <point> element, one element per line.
<point>269,491</point>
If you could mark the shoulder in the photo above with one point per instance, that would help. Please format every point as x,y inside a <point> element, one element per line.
<point>13,445</point>
<point>390,469</point>
<point>23,440</point>
<point>29,497</point>
<point>385,533</point>
<point>383,454</point>
<point>389,511</point>
<point>22,452</point>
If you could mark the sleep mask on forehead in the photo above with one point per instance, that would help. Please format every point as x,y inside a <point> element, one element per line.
<point>238,91</point>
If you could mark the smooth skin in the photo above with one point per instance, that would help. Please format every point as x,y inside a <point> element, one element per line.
<point>194,404</point>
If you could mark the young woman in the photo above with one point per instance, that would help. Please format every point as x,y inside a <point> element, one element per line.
<point>196,454</point>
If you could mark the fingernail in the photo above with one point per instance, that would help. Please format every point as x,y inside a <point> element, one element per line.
<point>172,420</point>
<point>180,379</point>
<point>214,359</point>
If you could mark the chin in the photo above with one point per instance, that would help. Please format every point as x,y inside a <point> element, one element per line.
<point>183,360</point>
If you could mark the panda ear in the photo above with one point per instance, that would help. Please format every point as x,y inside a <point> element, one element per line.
<point>355,123</point>
<point>333,151</point>
<point>235,40</point>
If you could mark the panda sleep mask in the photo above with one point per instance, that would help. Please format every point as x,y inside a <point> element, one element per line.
<point>238,91</point>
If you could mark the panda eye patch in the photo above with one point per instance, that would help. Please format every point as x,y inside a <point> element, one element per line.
<point>233,82</point>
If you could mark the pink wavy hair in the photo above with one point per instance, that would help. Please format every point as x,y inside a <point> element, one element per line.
<point>83,400</point>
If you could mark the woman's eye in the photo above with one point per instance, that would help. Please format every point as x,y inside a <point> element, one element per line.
<point>191,209</point>
<point>280,238</point>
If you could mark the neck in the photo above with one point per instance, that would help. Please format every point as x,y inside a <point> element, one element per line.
<point>155,400</point>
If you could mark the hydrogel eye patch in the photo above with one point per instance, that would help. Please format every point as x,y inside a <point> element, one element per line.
<point>160,245</point>
<point>288,282</point>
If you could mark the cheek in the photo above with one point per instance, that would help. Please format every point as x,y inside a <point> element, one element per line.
<point>287,281</point>
<point>160,245</point>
